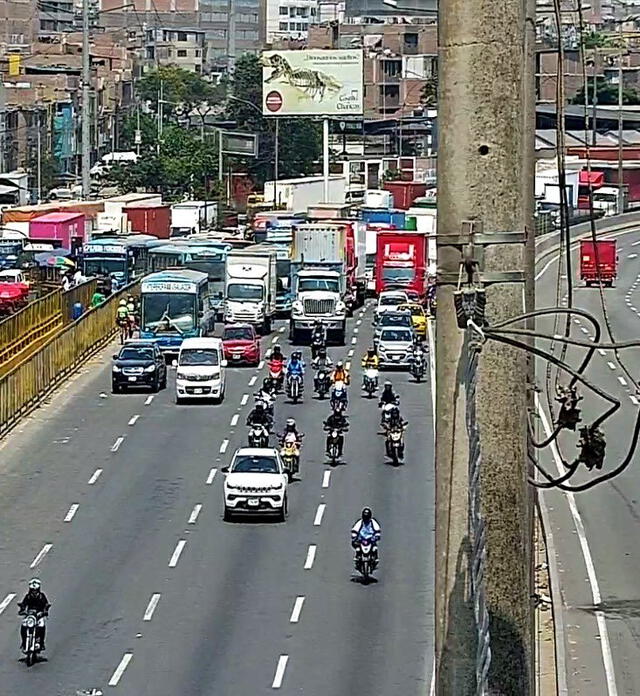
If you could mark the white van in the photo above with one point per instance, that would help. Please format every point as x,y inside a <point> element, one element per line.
<point>200,370</point>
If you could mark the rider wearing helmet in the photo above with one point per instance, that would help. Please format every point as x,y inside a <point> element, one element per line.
<point>366,528</point>
<point>291,427</point>
<point>268,386</point>
<point>340,374</point>
<point>322,360</point>
<point>370,360</point>
<point>35,600</point>
<point>122,313</point>
<point>336,421</point>
<point>295,366</point>
<point>259,416</point>
<point>388,396</point>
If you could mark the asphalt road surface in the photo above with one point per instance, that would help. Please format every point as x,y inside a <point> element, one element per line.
<point>116,503</point>
<point>596,532</point>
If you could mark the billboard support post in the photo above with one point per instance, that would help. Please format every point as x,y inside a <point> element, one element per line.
<point>275,167</point>
<point>219,154</point>
<point>325,157</point>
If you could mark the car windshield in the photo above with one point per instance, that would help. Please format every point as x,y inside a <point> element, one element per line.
<point>396,335</point>
<point>416,310</point>
<point>238,333</point>
<point>395,320</point>
<point>240,291</point>
<point>392,299</point>
<point>198,356</point>
<point>251,464</point>
<point>398,275</point>
<point>326,284</point>
<point>136,354</point>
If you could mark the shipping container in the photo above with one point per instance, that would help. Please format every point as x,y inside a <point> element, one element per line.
<point>298,194</point>
<point>114,219</point>
<point>405,192</point>
<point>149,218</point>
<point>401,259</point>
<point>599,261</point>
<point>64,229</point>
<point>388,217</point>
<point>313,242</point>
<point>329,211</point>
<point>375,198</point>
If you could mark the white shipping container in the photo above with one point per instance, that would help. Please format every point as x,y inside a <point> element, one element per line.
<point>317,242</point>
<point>297,195</point>
<point>378,198</point>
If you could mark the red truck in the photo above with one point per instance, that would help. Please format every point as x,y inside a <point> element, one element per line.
<point>401,259</point>
<point>598,261</point>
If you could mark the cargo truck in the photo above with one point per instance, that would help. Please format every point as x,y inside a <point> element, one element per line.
<point>250,288</point>
<point>297,195</point>
<point>598,261</point>
<point>192,217</point>
<point>401,259</point>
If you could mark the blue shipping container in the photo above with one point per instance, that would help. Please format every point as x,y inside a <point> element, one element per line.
<point>387,217</point>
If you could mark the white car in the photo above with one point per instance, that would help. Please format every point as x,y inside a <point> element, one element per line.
<point>200,370</point>
<point>394,347</point>
<point>389,301</point>
<point>256,484</point>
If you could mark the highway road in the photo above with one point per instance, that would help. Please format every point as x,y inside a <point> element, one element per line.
<point>596,532</point>
<point>116,503</point>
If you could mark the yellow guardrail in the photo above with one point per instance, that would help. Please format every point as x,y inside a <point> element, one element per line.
<point>27,383</point>
<point>29,324</point>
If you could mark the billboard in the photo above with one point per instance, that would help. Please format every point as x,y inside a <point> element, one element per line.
<point>312,83</point>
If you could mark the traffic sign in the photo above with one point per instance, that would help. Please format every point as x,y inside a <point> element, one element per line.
<point>273,101</point>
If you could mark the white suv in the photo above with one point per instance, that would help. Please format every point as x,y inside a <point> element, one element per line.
<point>394,346</point>
<point>255,484</point>
<point>200,370</point>
<point>389,301</point>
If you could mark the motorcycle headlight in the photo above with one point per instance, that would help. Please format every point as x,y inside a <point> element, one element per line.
<point>30,621</point>
<point>150,368</point>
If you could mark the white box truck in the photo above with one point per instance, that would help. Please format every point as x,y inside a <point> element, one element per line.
<point>297,195</point>
<point>192,217</point>
<point>250,288</point>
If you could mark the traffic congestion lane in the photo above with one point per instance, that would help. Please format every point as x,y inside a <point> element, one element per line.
<point>117,543</point>
<point>594,534</point>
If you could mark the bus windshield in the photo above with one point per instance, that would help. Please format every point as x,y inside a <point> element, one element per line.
<point>169,312</point>
<point>104,266</point>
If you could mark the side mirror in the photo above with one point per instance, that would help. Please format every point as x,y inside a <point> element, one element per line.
<point>115,356</point>
<point>225,470</point>
<point>223,363</point>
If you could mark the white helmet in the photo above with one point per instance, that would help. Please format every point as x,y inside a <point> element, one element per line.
<point>123,302</point>
<point>35,584</point>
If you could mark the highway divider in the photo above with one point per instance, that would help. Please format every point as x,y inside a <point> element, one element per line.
<point>24,387</point>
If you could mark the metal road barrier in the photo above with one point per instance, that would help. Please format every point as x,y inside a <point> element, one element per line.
<point>29,382</point>
<point>477,528</point>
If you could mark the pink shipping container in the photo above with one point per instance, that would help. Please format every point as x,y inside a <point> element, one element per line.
<point>149,218</point>
<point>65,229</point>
<point>405,192</point>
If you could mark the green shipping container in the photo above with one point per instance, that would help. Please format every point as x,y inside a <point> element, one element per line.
<point>411,223</point>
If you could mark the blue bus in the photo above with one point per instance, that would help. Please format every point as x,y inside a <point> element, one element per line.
<point>124,257</point>
<point>175,304</point>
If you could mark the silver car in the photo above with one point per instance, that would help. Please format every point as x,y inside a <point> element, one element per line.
<point>390,320</point>
<point>394,347</point>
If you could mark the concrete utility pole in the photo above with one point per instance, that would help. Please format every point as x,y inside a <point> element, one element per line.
<point>484,174</point>
<point>86,102</point>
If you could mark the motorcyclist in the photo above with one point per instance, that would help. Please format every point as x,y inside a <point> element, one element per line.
<point>295,366</point>
<point>340,374</point>
<point>366,528</point>
<point>268,387</point>
<point>35,600</point>
<point>318,336</point>
<point>276,354</point>
<point>122,312</point>
<point>322,360</point>
<point>336,421</point>
<point>370,360</point>
<point>417,351</point>
<point>395,420</point>
<point>291,428</point>
<point>388,396</point>
<point>259,416</point>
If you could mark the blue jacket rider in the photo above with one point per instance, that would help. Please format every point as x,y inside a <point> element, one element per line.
<point>295,366</point>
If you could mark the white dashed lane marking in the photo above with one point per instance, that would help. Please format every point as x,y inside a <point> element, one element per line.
<point>311,557</point>
<point>319,515</point>
<point>175,557</point>
<point>133,420</point>
<point>41,554</point>
<point>280,670</point>
<point>94,477</point>
<point>193,518</point>
<point>211,476</point>
<point>116,445</point>
<point>117,675</point>
<point>72,511</point>
<point>326,479</point>
<point>7,601</point>
<point>297,610</point>
<point>151,607</point>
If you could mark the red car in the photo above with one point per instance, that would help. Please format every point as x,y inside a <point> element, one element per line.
<point>241,344</point>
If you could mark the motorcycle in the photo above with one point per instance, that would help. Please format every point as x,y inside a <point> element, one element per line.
<point>290,453</point>
<point>294,387</point>
<point>266,400</point>
<point>418,367</point>
<point>370,381</point>
<point>339,399</point>
<point>321,383</point>
<point>32,622</point>
<point>394,445</point>
<point>366,559</point>
<point>276,372</point>
<point>333,448</point>
<point>258,436</point>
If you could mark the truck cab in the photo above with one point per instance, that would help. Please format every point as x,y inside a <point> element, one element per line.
<point>318,295</point>
<point>250,289</point>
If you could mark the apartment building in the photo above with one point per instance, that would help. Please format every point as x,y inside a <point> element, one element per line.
<point>289,19</point>
<point>183,47</point>
<point>18,26</point>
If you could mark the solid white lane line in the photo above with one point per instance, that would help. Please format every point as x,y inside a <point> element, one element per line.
<point>94,477</point>
<point>311,557</point>
<point>297,610</point>
<point>319,515</point>
<point>253,380</point>
<point>223,446</point>
<point>193,518</point>
<point>280,669</point>
<point>117,675</point>
<point>41,554</point>
<point>602,351</point>
<point>634,400</point>
<point>544,269</point>
<point>326,479</point>
<point>176,554</point>
<point>245,398</point>
<point>116,445</point>
<point>211,476</point>
<point>72,511</point>
<point>234,420</point>
<point>149,400</point>
<point>261,364</point>
<point>622,381</point>
<point>350,353</point>
<point>605,645</point>
<point>354,340</point>
<point>611,365</point>
<point>7,601</point>
<point>133,420</point>
<point>151,607</point>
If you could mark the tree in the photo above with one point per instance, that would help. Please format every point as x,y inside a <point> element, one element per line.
<point>148,132</point>
<point>179,86</point>
<point>606,94</point>
<point>300,142</point>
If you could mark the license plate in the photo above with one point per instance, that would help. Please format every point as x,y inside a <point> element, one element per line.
<point>253,502</point>
<point>396,357</point>
<point>197,391</point>
<point>133,379</point>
